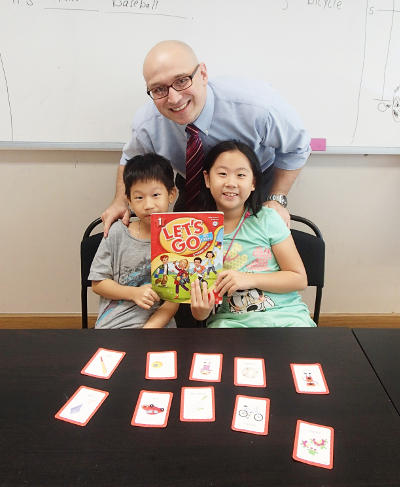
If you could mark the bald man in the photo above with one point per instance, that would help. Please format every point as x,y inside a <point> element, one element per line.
<point>222,109</point>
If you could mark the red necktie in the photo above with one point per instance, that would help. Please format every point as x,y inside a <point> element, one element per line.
<point>194,167</point>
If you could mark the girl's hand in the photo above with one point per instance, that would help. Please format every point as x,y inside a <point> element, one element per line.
<point>230,281</point>
<point>202,302</point>
<point>144,296</point>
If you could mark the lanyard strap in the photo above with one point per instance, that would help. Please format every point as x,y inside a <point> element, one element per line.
<point>245,215</point>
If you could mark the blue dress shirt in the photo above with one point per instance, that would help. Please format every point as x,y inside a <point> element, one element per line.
<point>245,110</point>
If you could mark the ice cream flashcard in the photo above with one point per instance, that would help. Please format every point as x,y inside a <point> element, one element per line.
<point>81,406</point>
<point>206,367</point>
<point>313,444</point>
<point>152,409</point>
<point>309,379</point>
<point>161,365</point>
<point>103,363</point>
<point>250,372</point>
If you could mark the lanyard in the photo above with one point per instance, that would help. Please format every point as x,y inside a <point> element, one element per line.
<point>245,215</point>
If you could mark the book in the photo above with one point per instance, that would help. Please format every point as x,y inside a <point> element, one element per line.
<point>185,246</point>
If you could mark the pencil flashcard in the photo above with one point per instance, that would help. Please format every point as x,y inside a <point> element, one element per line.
<point>103,363</point>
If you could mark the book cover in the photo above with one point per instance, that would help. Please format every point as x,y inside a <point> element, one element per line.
<point>185,246</point>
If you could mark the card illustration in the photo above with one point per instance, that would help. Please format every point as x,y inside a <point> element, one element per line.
<point>313,444</point>
<point>251,415</point>
<point>161,365</point>
<point>206,367</point>
<point>309,379</point>
<point>197,404</point>
<point>152,409</point>
<point>250,372</point>
<point>103,363</point>
<point>83,404</point>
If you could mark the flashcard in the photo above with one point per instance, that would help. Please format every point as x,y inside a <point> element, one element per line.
<point>250,372</point>
<point>251,415</point>
<point>103,363</point>
<point>309,379</point>
<point>152,409</point>
<point>82,406</point>
<point>206,367</point>
<point>161,365</point>
<point>197,404</point>
<point>313,444</point>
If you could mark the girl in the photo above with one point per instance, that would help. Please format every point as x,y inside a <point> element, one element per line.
<point>262,268</point>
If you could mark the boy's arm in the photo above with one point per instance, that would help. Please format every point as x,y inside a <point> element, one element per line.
<point>161,317</point>
<point>143,296</point>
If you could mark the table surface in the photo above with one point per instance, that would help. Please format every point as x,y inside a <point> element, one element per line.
<point>40,370</point>
<point>382,347</point>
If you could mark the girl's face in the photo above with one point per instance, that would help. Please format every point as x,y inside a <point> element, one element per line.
<point>149,197</point>
<point>230,180</point>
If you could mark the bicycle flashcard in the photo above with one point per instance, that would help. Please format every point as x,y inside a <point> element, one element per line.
<point>313,444</point>
<point>81,406</point>
<point>161,365</point>
<point>206,367</point>
<point>197,404</point>
<point>152,409</point>
<point>250,372</point>
<point>309,379</point>
<point>251,415</point>
<point>103,363</point>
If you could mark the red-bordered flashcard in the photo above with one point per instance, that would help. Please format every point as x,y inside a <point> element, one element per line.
<point>251,415</point>
<point>309,379</point>
<point>152,409</point>
<point>197,404</point>
<point>81,406</point>
<point>313,444</point>
<point>161,365</point>
<point>103,363</point>
<point>206,367</point>
<point>250,372</point>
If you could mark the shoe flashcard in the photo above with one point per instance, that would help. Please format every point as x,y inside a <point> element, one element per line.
<point>313,444</point>
<point>309,379</point>
<point>250,372</point>
<point>197,404</point>
<point>161,365</point>
<point>206,367</point>
<point>81,406</point>
<point>152,409</point>
<point>103,363</point>
<point>251,415</point>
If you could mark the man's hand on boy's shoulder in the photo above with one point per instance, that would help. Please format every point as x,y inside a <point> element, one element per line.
<point>117,210</point>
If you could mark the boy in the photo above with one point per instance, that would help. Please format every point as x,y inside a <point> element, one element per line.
<point>120,271</point>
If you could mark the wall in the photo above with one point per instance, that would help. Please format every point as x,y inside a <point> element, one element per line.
<point>47,199</point>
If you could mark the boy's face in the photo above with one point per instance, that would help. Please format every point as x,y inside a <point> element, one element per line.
<point>147,197</point>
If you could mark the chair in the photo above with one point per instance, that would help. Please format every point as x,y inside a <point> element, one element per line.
<point>312,251</point>
<point>89,245</point>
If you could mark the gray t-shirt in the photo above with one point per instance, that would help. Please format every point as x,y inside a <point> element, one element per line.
<point>126,260</point>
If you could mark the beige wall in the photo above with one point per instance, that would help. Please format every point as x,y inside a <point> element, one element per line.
<point>47,198</point>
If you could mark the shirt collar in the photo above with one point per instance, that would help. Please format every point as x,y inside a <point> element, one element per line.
<point>203,121</point>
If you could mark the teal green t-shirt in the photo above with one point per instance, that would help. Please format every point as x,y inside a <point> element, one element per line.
<point>251,252</point>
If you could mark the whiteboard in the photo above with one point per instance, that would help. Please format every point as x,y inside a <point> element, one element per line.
<point>71,70</point>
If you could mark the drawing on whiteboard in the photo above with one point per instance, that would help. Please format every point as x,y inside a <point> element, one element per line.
<point>7,93</point>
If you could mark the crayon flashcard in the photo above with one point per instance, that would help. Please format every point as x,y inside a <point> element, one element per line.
<point>81,406</point>
<point>309,379</point>
<point>251,415</point>
<point>313,444</point>
<point>152,409</point>
<point>197,404</point>
<point>206,367</point>
<point>161,365</point>
<point>103,363</point>
<point>250,372</point>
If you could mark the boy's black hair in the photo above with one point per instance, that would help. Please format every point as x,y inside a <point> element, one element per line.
<point>148,167</point>
<point>254,201</point>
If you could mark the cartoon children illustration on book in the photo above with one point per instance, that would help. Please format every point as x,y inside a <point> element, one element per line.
<point>182,278</point>
<point>199,269</point>
<point>161,273</point>
<point>210,258</point>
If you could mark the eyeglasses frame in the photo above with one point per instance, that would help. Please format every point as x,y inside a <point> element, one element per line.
<point>191,76</point>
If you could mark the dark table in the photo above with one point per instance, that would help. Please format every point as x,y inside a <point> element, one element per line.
<point>382,348</point>
<point>40,369</point>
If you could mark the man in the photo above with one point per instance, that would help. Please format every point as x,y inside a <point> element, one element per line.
<point>223,109</point>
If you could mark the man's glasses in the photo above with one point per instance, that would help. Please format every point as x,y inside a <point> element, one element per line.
<point>179,84</point>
